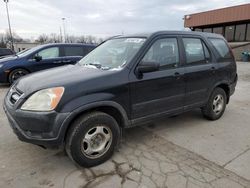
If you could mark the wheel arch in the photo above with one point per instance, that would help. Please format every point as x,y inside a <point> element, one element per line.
<point>109,107</point>
<point>225,87</point>
<point>15,68</point>
<point>19,67</point>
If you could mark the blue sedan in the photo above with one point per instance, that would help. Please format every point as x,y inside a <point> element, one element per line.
<point>40,58</point>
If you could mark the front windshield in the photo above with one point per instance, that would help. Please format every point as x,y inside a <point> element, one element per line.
<point>19,53</point>
<point>28,51</point>
<point>113,54</point>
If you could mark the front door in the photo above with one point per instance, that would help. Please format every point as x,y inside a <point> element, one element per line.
<point>159,92</point>
<point>49,58</point>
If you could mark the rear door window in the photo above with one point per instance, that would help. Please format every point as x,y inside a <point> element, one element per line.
<point>221,47</point>
<point>88,49</point>
<point>73,51</point>
<point>196,51</point>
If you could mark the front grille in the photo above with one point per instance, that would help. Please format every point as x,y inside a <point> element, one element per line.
<point>14,95</point>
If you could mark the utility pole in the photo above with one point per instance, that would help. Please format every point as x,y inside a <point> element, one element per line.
<point>64,30</point>
<point>61,37</point>
<point>11,37</point>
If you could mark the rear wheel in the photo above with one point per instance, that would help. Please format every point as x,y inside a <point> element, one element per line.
<point>92,138</point>
<point>16,74</point>
<point>216,105</point>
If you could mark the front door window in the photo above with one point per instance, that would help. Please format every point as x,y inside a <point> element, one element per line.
<point>49,53</point>
<point>164,51</point>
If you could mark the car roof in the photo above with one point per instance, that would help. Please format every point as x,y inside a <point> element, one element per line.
<point>67,44</point>
<point>5,49</point>
<point>153,34</point>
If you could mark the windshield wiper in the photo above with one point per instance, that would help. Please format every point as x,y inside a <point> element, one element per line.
<point>99,66</point>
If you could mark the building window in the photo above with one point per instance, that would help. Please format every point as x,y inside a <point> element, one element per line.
<point>240,32</point>
<point>248,32</point>
<point>208,30</point>
<point>198,29</point>
<point>218,30</point>
<point>229,33</point>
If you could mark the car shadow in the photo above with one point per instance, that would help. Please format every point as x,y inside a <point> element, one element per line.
<point>3,86</point>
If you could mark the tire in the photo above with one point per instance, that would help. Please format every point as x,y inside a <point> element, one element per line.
<point>16,74</point>
<point>214,110</point>
<point>88,134</point>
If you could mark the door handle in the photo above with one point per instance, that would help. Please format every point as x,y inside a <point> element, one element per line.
<point>213,70</point>
<point>177,75</point>
<point>57,61</point>
<point>67,61</point>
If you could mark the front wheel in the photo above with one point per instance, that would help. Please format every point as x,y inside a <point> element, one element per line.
<point>216,105</point>
<point>92,138</point>
<point>16,74</point>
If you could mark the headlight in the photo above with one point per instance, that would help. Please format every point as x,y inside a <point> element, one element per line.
<point>44,100</point>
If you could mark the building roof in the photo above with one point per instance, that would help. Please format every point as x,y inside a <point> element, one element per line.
<point>218,16</point>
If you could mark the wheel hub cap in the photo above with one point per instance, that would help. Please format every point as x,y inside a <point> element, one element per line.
<point>96,141</point>
<point>17,75</point>
<point>218,104</point>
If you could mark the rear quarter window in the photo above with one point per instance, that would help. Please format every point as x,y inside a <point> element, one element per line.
<point>73,51</point>
<point>221,47</point>
<point>88,49</point>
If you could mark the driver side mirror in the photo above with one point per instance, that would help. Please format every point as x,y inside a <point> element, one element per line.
<point>38,58</point>
<point>147,66</point>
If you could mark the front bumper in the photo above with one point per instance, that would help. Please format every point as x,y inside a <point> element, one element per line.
<point>3,77</point>
<point>41,128</point>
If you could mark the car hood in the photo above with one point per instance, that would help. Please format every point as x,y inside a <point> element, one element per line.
<point>7,59</point>
<point>70,76</point>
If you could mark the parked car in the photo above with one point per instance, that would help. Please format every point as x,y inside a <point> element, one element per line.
<point>40,58</point>
<point>5,52</point>
<point>124,82</point>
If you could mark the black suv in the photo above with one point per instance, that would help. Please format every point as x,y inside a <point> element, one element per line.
<point>126,81</point>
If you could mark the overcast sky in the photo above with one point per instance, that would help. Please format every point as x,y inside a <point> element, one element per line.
<point>29,18</point>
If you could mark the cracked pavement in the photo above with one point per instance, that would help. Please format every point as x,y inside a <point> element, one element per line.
<point>171,153</point>
<point>141,161</point>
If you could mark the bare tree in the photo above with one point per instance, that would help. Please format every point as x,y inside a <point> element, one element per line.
<point>71,39</point>
<point>43,38</point>
<point>82,39</point>
<point>16,37</point>
<point>2,42</point>
<point>99,40</point>
<point>54,38</point>
<point>5,38</point>
<point>91,39</point>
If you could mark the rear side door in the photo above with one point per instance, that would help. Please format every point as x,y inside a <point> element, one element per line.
<point>159,92</point>
<point>48,58</point>
<point>200,71</point>
<point>72,54</point>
